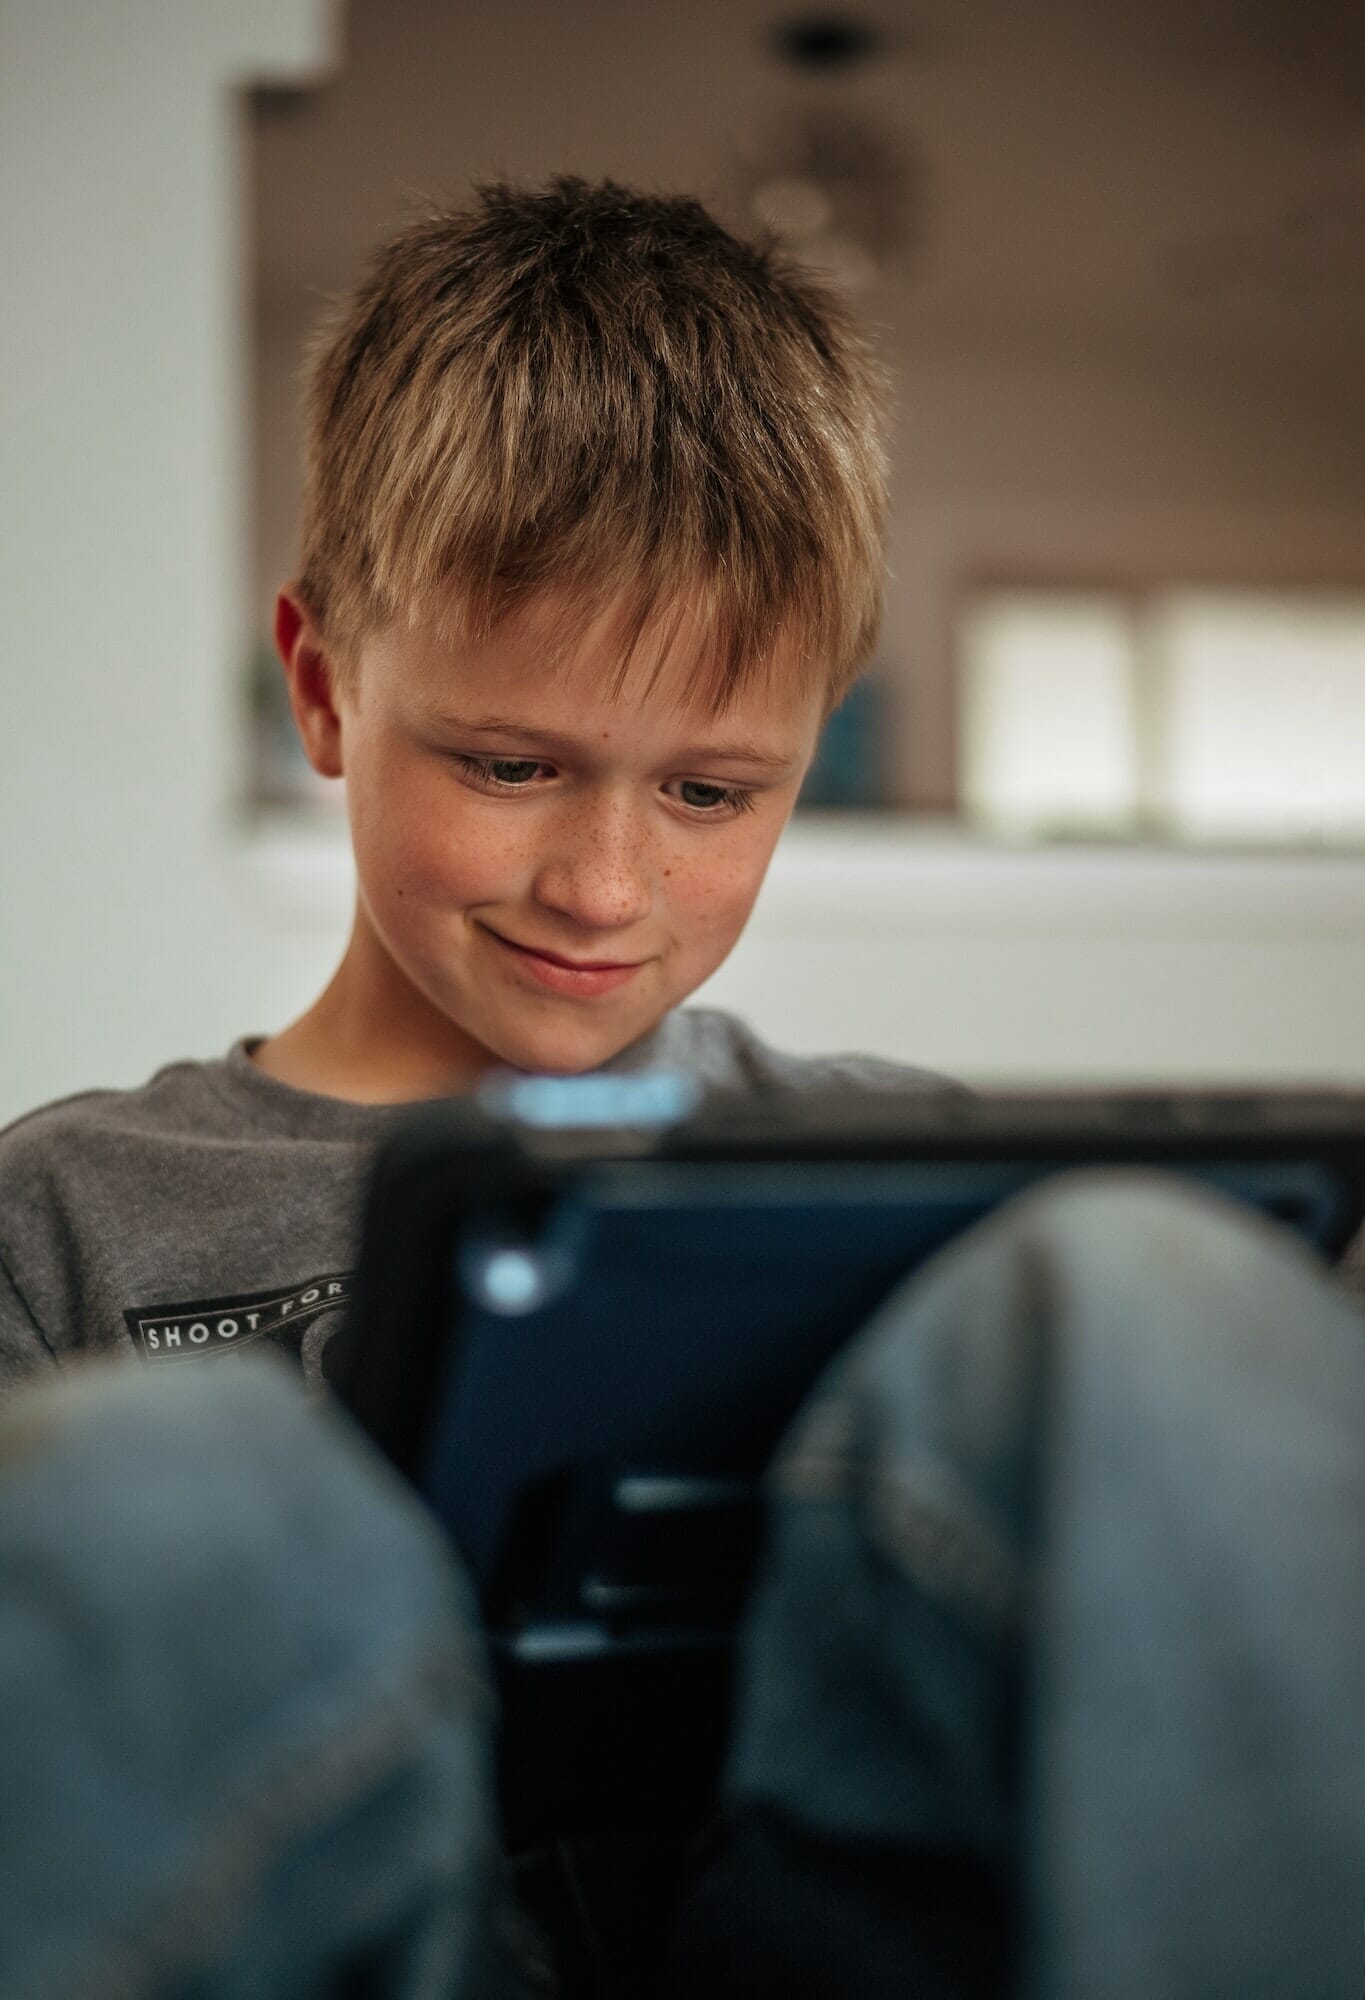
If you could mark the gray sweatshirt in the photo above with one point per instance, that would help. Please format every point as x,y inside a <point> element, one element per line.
<point>216,1208</point>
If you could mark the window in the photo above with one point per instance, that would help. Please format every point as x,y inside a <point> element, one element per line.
<point>1200,715</point>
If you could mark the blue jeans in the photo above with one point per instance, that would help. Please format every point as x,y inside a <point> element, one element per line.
<point>1054,1678</point>
<point>244,1742</point>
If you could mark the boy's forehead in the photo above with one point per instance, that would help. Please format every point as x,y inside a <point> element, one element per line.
<point>528,666</point>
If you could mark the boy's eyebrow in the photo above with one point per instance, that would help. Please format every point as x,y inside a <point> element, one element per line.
<point>549,739</point>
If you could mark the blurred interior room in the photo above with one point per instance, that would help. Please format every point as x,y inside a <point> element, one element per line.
<point>1098,810</point>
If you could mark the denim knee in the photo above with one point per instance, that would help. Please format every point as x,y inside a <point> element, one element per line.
<point>227,1631</point>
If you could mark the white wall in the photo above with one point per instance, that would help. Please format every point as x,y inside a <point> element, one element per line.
<point>125,935</point>
<point>1065,965</point>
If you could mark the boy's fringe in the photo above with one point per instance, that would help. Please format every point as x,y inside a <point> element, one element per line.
<point>604,394</point>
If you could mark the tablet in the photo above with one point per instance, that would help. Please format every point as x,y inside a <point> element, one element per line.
<point>588,1308</point>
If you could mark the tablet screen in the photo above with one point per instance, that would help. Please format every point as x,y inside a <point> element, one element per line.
<point>669,1320</point>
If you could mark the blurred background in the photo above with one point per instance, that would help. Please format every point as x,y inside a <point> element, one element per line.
<point>1099,809</point>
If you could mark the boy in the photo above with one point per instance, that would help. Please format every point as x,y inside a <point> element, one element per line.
<point>592,545</point>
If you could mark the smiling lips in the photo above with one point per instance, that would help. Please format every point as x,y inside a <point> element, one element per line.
<point>574,964</point>
<point>581,978</point>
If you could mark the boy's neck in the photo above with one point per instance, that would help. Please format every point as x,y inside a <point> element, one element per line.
<point>370,1040</point>
<point>306,1057</point>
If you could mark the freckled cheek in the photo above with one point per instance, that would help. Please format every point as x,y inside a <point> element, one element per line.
<point>709,897</point>
<point>431,855</point>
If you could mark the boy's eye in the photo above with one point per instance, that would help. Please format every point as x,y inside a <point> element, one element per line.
<point>517,774</point>
<point>716,799</point>
<point>512,772</point>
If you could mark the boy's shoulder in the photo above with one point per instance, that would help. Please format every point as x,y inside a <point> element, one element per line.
<point>723,1051</point>
<point>199,1118</point>
<point>60,1162</point>
<point>70,1209</point>
<point>178,1096</point>
<point>197,1101</point>
<point>176,1217</point>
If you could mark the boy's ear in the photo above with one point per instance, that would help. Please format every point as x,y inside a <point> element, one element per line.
<point>308,670</point>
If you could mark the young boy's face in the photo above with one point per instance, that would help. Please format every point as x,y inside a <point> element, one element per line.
<point>544,873</point>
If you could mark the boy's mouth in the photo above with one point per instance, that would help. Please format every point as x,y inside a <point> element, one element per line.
<point>582,977</point>
<point>572,964</point>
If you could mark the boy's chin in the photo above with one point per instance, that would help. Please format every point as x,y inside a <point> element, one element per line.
<point>569,1048</point>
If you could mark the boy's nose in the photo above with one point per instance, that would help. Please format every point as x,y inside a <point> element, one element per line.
<point>599,871</point>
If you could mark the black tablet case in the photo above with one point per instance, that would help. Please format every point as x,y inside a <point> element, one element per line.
<point>586,1315</point>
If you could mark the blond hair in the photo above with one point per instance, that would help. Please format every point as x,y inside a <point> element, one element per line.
<point>586,389</point>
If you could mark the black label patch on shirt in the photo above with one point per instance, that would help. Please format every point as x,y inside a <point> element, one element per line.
<point>286,1317</point>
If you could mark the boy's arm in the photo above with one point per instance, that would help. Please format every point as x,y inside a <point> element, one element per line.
<point>25,1350</point>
